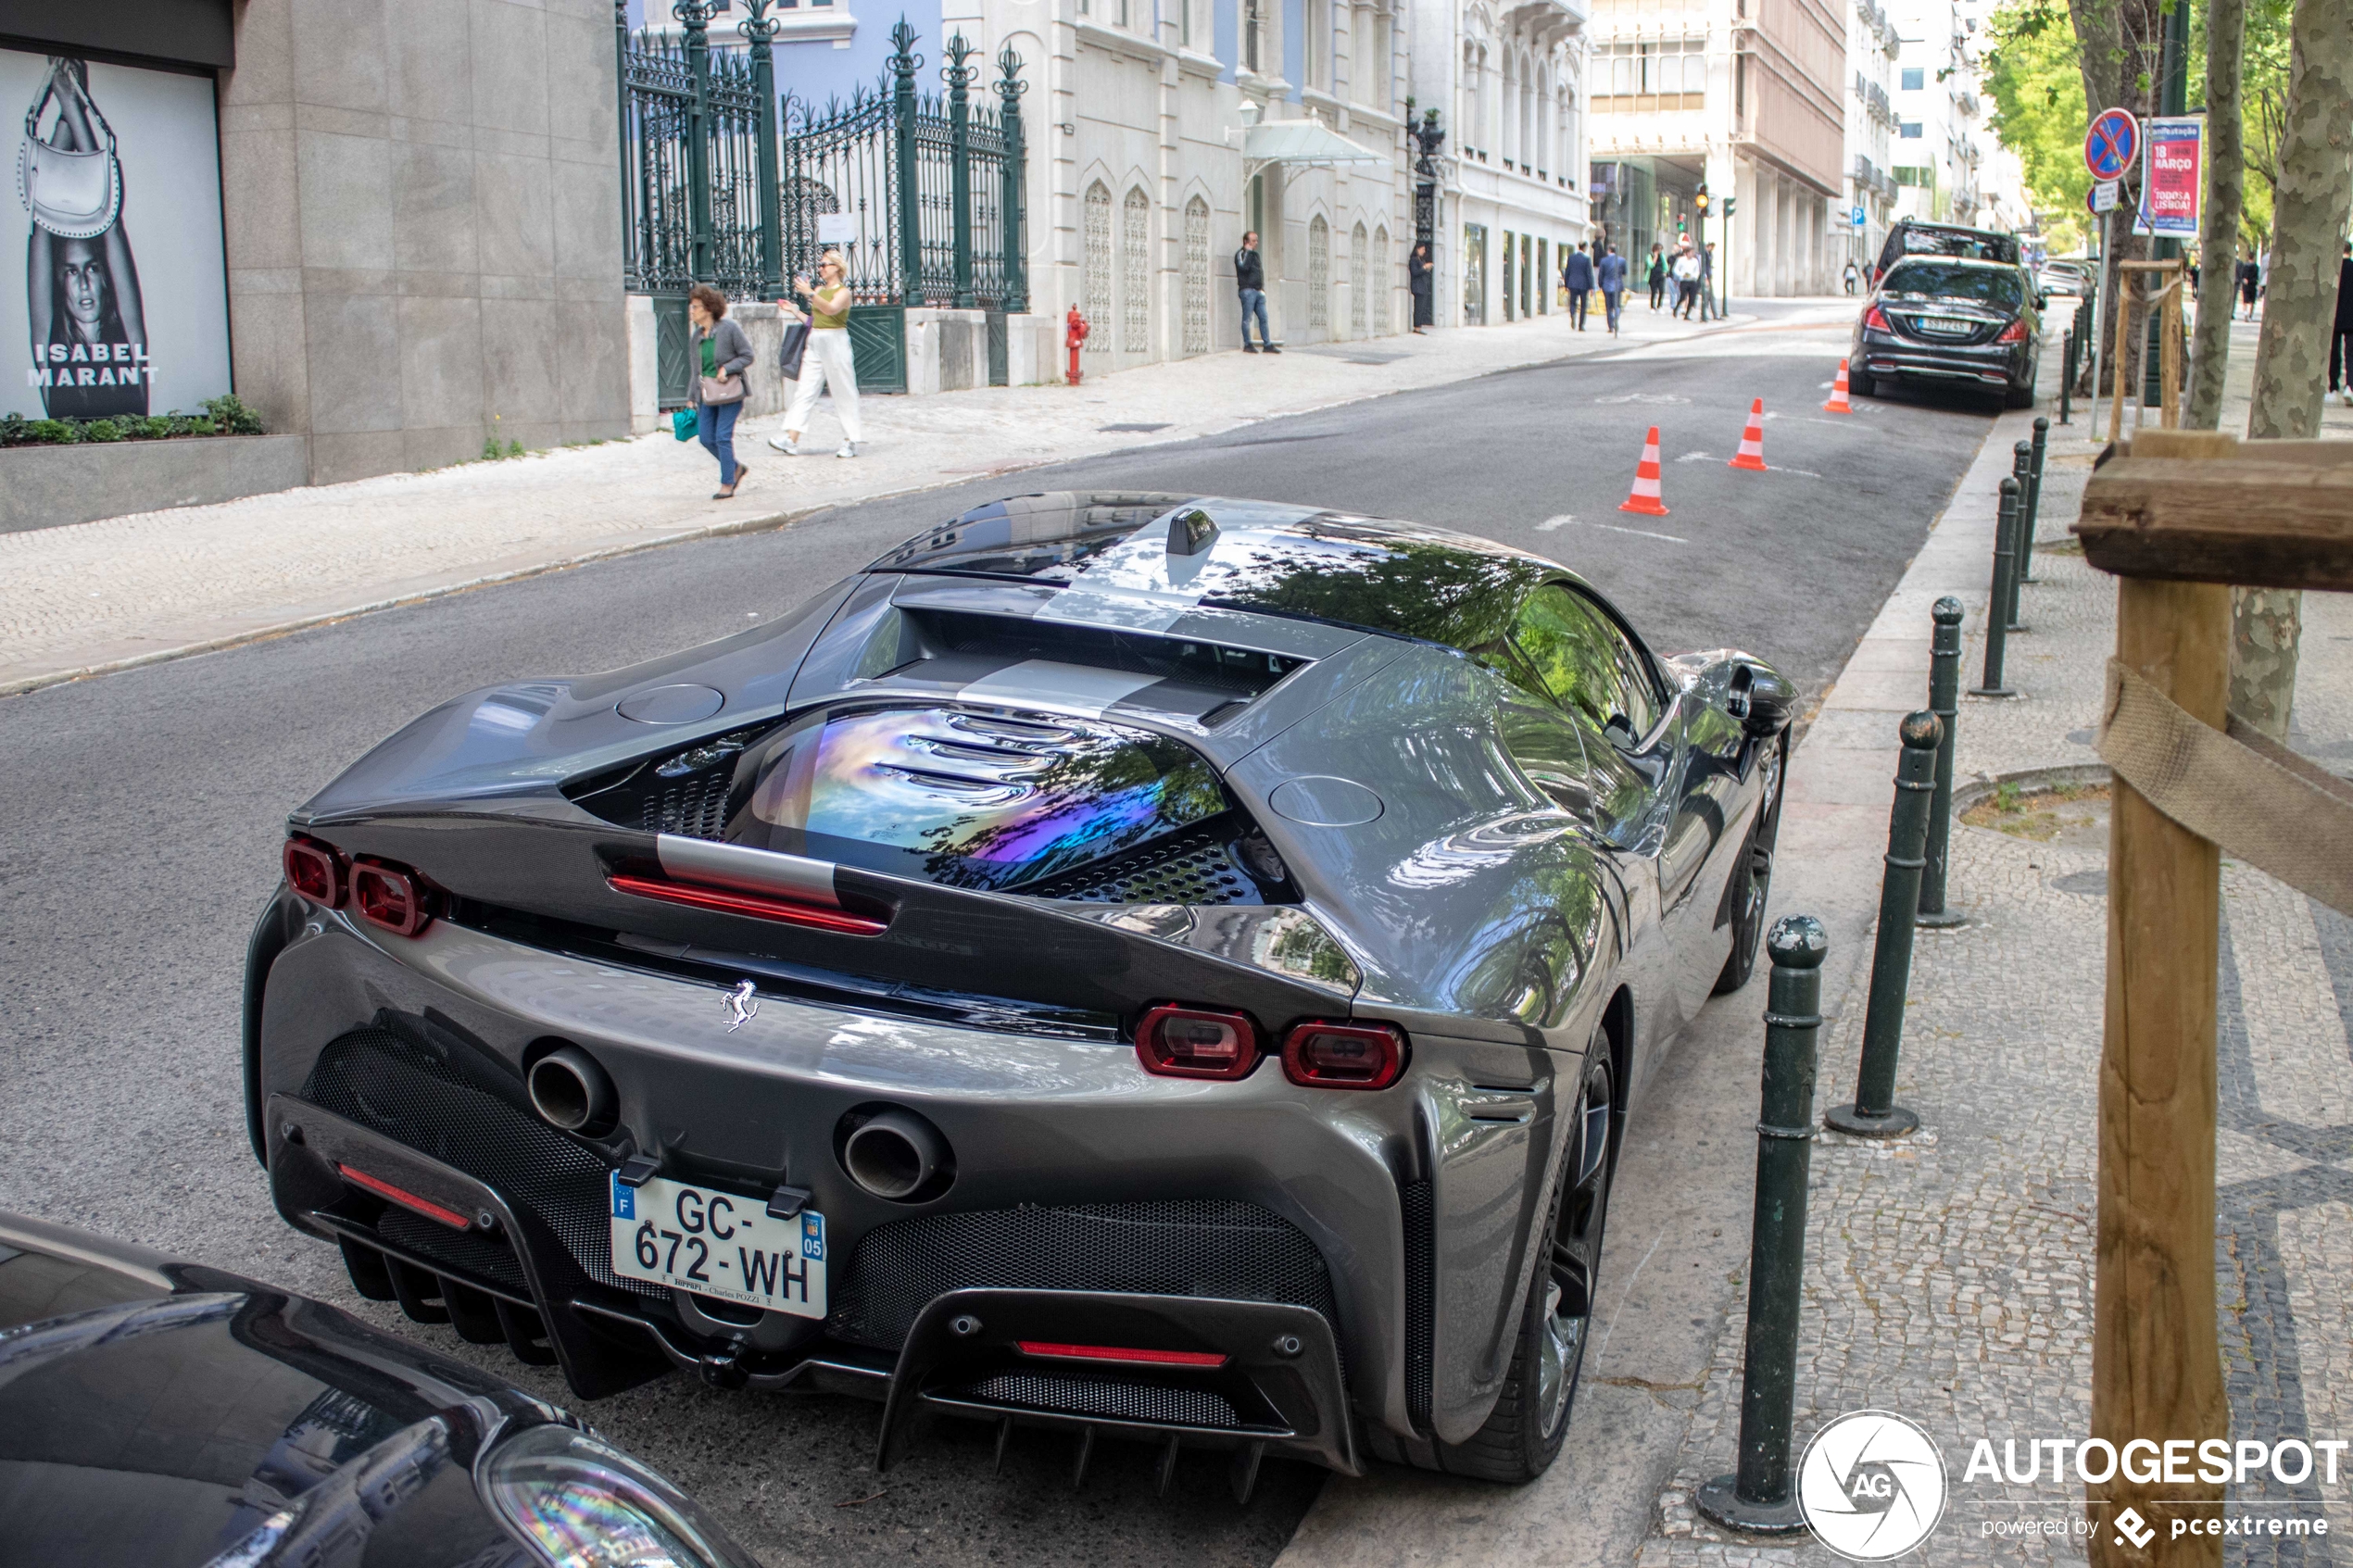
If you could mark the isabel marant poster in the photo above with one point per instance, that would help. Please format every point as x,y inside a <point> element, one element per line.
<point>113,292</point>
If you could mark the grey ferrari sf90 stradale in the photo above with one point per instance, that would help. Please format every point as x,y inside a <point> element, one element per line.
<point>1156,966</point>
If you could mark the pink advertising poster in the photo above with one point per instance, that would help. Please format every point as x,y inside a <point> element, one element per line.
<point>2173,175</point>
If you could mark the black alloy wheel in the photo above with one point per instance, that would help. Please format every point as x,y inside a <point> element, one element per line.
<point>1523,1433</point>
<point>1753,873</point>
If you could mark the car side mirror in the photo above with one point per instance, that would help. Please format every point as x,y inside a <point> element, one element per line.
<point>1621,733</point>
<point>1763,702</point>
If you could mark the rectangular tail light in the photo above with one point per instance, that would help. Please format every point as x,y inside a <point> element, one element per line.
<point>1184,1042</point>
<point>390,896</point>
<point>1344,1056</point>
<point>1115,1355</point>
<point>315,871</point>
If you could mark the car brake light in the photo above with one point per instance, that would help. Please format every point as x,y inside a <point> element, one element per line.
<point>1344,1056</point>
<point>759,906</point>
<point>315,871</point>
<point>1876,320</point>
<point>405,1198</point>
<point>1117,1354</point>
<point>2014,332</point>
<point>1178,1042</point>
<point>390,896</point>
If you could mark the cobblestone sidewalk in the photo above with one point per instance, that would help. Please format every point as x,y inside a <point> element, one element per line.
<point>96,595</point>
<point>1949,1274</point>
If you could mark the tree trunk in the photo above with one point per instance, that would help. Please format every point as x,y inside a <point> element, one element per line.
<point>2119,42</point>
<point>2225,201</point>
<point>2315,191</point>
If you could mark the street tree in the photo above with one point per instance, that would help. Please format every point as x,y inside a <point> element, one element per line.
<point>2225,200</point>
<point>2121,43</point>
<point>2312,198</point>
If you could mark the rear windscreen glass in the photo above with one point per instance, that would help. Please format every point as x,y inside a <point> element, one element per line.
<point>1977,285</point>
<point>967,799</point>
<point>1969,243</point>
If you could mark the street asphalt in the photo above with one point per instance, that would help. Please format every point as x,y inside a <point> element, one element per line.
<point>147,807</point>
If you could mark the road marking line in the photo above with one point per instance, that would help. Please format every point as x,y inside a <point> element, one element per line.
<point>1551,524</point>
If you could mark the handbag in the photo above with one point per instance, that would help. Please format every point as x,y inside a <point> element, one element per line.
<point>716,390</point>
<point>1563,300</point>
<point>682,423</point>
<point>796,345</point>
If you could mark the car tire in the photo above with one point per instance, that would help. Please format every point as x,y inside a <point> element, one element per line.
<point>1751,883</point>
<point>1862,385</point>
<point>1523,1432</point>
<point>2023,396</point>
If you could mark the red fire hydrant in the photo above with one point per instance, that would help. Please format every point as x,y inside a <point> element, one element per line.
<point>1073,333</point>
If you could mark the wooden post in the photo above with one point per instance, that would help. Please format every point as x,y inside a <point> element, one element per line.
<point>2170,320</point>
<point>2157,1368</point>
<point>2118,361</point>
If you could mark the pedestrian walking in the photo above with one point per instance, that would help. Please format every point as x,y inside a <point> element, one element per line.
<point>826,362</point>
<point>1417,282</point>
<point>1577,277</point>
<point>1612,274</point>
<point>1707,308</point>
<point>722,355</point>
<point>1250,282</point>
<point>2250,278</point>
<point>2341,333</point>
<point>1657,275</point>
<point>1686,283</point>
<point>1850,278</point>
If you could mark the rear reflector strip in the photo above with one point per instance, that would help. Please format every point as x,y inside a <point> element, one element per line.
<point>1119,1356</point>
<point>405,1198</point>
<point>758,905</point>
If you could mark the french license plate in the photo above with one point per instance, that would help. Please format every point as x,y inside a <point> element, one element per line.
<point>717,1244</point>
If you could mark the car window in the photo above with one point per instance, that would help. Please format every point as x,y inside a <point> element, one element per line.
<point>1505,660</point>
<point>1586,661</point>
<point>1977,285</point>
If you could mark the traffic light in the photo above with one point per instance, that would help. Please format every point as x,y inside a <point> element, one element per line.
<point>1699,200</point>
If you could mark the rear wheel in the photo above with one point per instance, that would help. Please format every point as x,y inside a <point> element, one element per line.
<point>1753,874</point>
<point>2022,396</point>
<point>1862,385</point>
<point>1523,1432</point>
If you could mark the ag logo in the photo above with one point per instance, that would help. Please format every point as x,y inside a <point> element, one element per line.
<point>1872,1485</point>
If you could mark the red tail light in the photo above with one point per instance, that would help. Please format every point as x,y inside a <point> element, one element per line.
<point>1178,1042</point>
<point>759,906</point>
<point>1876,320</point>
<point>1344,1056</point>
<point>405,1198</point>
<point>1118,1356</point>
<point>391,896</point>
<point>2014,332</point>
<point>315,871</point>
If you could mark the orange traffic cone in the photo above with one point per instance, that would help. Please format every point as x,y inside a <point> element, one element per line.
<point>1838,403</point>
<point>1645,498</point>
<point>1751,452</point>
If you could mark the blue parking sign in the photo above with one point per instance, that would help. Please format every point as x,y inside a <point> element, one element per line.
<point>1855,216</point>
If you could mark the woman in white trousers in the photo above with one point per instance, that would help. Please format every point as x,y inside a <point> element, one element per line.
<point>825,362</point>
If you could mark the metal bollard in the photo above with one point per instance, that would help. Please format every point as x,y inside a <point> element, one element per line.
<point>1874,1113</point>
<point>2066,377</point>
<point>1945,701</point>
<point>2031,504</point>
<point>2021,461</point>
<point>1997,623</point>
<point>1761,1497</point>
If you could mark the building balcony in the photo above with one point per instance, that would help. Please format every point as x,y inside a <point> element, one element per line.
<point>1544,22</point>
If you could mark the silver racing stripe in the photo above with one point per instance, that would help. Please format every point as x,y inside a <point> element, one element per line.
<point>1045,686</point>
<point>748,871</point>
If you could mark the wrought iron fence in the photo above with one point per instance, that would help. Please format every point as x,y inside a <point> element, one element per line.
<point>697,131</point>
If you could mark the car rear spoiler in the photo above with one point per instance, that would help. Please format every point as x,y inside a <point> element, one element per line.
<point>587,882</point>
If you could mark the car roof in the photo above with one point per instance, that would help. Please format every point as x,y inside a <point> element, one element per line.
<point>1111,553</point>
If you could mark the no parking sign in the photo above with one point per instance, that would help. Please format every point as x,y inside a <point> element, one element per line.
<point>2112,144</point>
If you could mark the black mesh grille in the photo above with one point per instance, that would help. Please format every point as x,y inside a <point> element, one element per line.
<point>1118,1401</point>
<point>1194,1246</point>
<point>1187,867</point>
<point>480,1255</point>
<point>391,1086</point>
<point>1419,1303</point>
<point>695,805</point>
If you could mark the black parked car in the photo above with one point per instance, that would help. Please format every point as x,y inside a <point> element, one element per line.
<point>161,1414</point>
<point>1914,236</point>
<point>1948,321</point>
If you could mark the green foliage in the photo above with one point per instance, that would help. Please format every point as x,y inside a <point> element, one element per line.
<point>101,430</point>
<point>489,448</point>
<point>223,416</point>
<point>2034,72</point>
<point>514,448</point>
<point>2263,73</point>
<point>232,415</point>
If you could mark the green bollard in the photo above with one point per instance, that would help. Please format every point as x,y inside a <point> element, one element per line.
<point>1997,623</point>
<point>2067,377</point>
<point>1760,1499</point>
<point>2022,542</point>
<point>1874,1113</point>
<point>1945,701</point>
<point>2031,507</point>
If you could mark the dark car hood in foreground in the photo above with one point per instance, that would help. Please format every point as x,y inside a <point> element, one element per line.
<point>157,1413</point>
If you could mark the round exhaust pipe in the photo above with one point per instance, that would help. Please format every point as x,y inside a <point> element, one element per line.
<point>894,1154</point>
<point>571,1091</point>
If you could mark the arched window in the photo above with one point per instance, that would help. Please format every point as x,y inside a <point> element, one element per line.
<point>1319,274</point>
<point>1135,272</point>
<point>1381,280</point>
<point>1097,258</point>
<point>1196,276</point>
<point>1361,271</point>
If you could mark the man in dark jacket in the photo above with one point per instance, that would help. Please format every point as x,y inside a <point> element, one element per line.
<point>1577,277</point>
<point>1417,280</point>
<point>2341,333</point>
<point>1250,282</point>
<point>1610,274</point>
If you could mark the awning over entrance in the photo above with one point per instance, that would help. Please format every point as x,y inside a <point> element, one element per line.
<point>1300,144</point>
